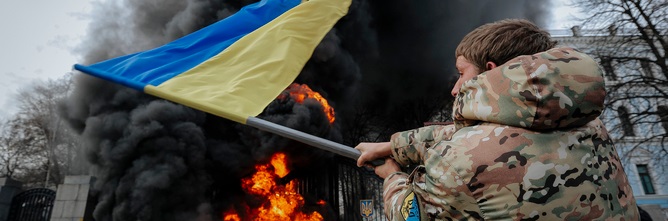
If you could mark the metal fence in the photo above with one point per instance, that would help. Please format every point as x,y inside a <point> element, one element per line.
<point>32,205</point>
<point>356,184</point>
<point>343,185</point>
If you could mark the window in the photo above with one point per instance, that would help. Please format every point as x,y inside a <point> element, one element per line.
<point>627,127</point>
<point>646,68</point>
<point>645,179</point>
<point>606,62</point>
<point>662,111</point>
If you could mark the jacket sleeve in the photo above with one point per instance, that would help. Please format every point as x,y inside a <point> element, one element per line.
<point>408,147</point>
<point>395,188</point>
<point>440,187</point>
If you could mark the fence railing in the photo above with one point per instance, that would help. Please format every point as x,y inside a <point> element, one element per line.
<point>32,205</point>
<point>343,186</point>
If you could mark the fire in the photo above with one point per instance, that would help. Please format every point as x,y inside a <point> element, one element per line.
<point>231,217</point>
<point>283,202</point>
<point>301,92</point>
<point>278,161</point>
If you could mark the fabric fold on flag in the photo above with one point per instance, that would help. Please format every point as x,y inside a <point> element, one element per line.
<point>233,68</point>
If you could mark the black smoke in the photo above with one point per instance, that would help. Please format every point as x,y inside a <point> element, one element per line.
<point>386,66</point>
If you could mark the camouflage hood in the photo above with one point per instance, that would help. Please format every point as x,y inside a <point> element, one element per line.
<point>557,89</point>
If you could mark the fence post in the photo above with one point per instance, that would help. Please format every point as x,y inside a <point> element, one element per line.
<point>72,198</point>
<point>8,189</point>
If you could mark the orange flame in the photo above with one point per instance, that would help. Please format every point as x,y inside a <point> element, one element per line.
<point>301,92</point>
<point>283,202</point>
<point>280,168</point>
<point>231,217</point>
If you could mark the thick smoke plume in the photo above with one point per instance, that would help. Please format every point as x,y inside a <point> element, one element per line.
<point>389,62</point>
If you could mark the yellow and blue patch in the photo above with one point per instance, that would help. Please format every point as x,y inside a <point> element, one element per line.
<point>410,209</point>
<point>366,208</point>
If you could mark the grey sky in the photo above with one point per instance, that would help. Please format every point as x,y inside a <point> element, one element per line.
<point>37,42</point>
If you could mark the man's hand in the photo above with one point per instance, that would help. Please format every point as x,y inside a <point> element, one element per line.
<point>372,151</point>
<point>388,168</point>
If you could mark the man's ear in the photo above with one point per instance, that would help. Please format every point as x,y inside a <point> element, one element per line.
<point>490,65</point>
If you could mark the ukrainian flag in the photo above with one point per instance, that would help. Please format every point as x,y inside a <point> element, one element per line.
<point>232,68</point>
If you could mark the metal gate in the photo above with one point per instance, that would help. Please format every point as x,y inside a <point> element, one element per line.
<point>344,185</point>
<point>32,205</point>
<point>354,185</point>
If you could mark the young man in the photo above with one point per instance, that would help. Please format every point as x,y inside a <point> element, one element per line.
<point>527,143</point>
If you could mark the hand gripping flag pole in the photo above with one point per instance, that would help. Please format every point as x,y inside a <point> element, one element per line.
<point>235,67</point>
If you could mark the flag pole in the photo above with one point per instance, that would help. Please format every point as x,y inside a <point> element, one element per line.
<point>309,139</point>
<point>323,144</point>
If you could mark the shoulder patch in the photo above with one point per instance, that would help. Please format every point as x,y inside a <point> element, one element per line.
<point>410,209</point>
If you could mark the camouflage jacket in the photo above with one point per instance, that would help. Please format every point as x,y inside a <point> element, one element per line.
<point>527,144</point>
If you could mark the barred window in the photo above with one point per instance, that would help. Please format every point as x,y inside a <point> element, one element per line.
<point>606,63</point>
<point>646,68</point>
<point>627,127</point>
<point>645,179</point>
<point>662,111</point>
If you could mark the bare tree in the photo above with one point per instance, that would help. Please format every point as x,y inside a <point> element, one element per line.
<point>20,155</point>
<point>631,40</point>
<point>37,147</point>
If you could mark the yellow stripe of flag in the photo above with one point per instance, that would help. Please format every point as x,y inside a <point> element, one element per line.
<point>244,78</point>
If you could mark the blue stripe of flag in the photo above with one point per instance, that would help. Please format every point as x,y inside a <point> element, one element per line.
<point>158,65</point>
